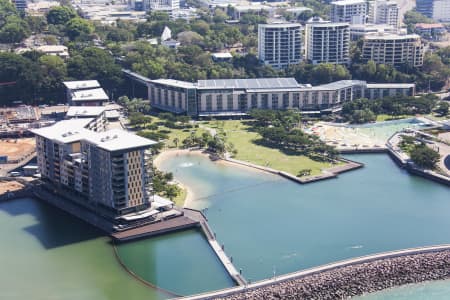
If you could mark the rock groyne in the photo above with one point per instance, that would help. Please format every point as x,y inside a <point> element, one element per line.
<point>356,279</point>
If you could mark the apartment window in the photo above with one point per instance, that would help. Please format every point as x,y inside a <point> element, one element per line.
<point>230,102</point>
<point>296,100</point>
<point>219,104</point>
<point>285,100</point>
<point>208,103</point>
<point>264,101</point>
<point>274,100</point>
<point>254,101</point>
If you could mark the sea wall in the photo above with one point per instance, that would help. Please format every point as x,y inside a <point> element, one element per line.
<point>347,278</point>
<point>357,279</point>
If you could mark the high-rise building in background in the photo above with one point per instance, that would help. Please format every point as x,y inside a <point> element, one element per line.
<point>20,5</point>
<point>438,10</point>
<point>386,12</point>
<point>280,44</point>
<point>327,42</point>
<point>349,11</point>
<point>394,49</point>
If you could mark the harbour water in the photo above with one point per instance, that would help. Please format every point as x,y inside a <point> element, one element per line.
<point>272,226</point>
<point>432,290</point>
<point>47,254</point>
<point>269,226</point>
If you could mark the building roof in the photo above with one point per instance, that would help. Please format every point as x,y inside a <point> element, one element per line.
<point>175,83</point>
<point>222,55</point>
<point>339,85</point>
<point>90,95</point>
<point>85,111</point>
<point>348,2</point>
<point>66,131</point>
<point>81,84</point>
<point>52,48</point>
<point>430,26</point>
<point>116,140</point>
<point>391,36</point>
<point>253,83</point>
<point>280,25</point>
<point>390,85</point>
<point>327,24</point>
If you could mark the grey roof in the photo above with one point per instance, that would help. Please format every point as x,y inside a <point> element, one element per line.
<point>339,85</point>
<point>254,83</point>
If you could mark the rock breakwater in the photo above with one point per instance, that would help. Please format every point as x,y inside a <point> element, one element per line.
<point>353,280</point>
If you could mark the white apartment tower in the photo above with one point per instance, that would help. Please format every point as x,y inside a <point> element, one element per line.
<point>349,11</point>
<point>393,49</point>
<point>327,42</point>
<point>103,171</point>
<point>384,12</point>
<point>280,44</point>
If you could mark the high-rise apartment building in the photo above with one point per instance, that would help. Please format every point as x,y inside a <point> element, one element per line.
<point>386,12</point>
<point>280,44</point>
<point>102,170</point>
<point>394,49</point>
<point>349,11</point>
<point>438,10</point>
<point>20,5</point>
<point>327,42</point>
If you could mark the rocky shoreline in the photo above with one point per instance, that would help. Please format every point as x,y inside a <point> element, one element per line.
<point>353,280</point>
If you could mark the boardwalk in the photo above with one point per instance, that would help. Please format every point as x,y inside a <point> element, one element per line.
<point>153,229</point>
<point>221,255</point>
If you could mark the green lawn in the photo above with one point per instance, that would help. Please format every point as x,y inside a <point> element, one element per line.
<point>181,134</point>
<point>237,133</point>
<point>179,200</point>
<point>385,117</point>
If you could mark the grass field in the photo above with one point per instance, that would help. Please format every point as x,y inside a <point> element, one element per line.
<point>179,200</point>
<point>238,133</point>
<point>384,117</point>
<point>181,134</point>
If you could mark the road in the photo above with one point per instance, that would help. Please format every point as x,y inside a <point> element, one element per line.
<point>404,6</point>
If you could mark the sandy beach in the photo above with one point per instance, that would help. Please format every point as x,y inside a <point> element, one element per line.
<point>168,154</point>
<point>190,195</point>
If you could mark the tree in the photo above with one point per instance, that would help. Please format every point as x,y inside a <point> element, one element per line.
<point>14,31</point>
<point>442,108</point>
<point>424,157</point>
<point>78,27</point>
<point>60,15</point>
<point>172,191</point>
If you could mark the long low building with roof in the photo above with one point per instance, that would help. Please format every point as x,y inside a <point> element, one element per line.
<point>104,171</point>
<point>226,97</point>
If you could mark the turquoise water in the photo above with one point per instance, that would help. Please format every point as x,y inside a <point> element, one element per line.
<point>433,290</point>
<point>272,225</point>
<point>47,254</point>
<point>384,130</point>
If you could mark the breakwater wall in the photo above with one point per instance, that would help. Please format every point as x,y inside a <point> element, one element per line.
<point>348,278</point>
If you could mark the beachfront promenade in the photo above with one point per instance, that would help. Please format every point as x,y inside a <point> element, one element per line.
<point>347,278</point>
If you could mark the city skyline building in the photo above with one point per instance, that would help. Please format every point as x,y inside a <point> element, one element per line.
<point>438,10</point>
<point>327,42</point>
<point>349,11</point>
<point>393,49</point>
<point>280,44</point>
